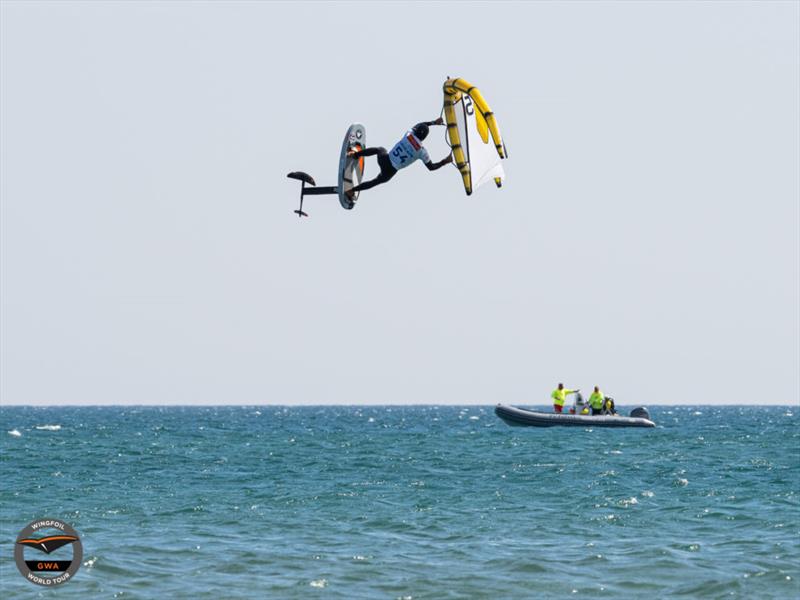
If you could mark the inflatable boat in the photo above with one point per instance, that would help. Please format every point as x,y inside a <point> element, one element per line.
<point>512,415</point>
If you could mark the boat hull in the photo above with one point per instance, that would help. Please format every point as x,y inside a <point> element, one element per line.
<point>531,418</point>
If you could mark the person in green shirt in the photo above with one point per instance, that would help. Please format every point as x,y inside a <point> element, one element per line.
<point>597,401</point>
<point>559,396</point>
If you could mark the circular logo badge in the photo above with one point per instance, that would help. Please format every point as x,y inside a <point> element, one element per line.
<point>41,538</point>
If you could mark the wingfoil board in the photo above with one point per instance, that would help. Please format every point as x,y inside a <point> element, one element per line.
<point>351,171</point>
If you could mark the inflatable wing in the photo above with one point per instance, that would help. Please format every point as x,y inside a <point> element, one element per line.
<point>469,123</point>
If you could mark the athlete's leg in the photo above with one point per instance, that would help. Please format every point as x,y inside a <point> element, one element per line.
<point>366,152</point>
<point>387,172</point>
<point>382,178</point>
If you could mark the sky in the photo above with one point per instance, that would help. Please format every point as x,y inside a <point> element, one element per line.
<point>647,238</point>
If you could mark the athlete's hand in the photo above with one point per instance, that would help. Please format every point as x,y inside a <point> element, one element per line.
<point>439,121</point>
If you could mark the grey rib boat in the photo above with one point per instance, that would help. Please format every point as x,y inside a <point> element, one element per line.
<point>523,417</point>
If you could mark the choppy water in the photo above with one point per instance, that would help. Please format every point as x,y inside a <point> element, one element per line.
<point>406,502</point>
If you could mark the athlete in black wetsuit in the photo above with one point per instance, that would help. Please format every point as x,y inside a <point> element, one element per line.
<point>404,152</point>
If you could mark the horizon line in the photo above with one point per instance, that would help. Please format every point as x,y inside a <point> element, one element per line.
<point>323,404</point>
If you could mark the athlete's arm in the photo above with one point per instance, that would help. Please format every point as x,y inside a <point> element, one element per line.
<point>432,166</point>
<point>438,121</point>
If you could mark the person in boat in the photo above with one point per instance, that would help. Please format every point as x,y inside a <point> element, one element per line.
<point>402,154</point>
<point>597,401</point>
<point>609,408</point>
<point>559,396</point>
<point>579,406</point>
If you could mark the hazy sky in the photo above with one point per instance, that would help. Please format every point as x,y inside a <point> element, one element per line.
<point>647,239</point>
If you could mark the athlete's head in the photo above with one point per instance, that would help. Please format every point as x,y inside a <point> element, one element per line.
<point>420,130</point>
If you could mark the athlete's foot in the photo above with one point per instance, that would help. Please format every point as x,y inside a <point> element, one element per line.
<point>351,195</point>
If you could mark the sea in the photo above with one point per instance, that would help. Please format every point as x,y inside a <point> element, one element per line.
<point>404,502</point>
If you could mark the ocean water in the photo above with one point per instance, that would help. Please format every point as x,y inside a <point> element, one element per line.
<point>405,502</point>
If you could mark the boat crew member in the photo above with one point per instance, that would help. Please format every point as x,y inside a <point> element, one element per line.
<point>559,396</point>
<point>579,406</point>
<point>597,401</point>
<point>609,408</point>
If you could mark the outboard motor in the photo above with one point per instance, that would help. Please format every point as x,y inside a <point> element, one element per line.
<point>640,412</point>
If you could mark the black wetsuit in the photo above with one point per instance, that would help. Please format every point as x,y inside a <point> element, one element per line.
<point>387,169</point>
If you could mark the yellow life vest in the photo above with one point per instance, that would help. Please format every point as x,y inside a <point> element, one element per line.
<point>596,400</point>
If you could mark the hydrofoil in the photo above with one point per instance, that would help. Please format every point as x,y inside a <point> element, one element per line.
<point>351,172</point>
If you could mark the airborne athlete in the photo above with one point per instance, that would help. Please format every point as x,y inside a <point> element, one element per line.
<point>404,152</point>
<point>477,149</point>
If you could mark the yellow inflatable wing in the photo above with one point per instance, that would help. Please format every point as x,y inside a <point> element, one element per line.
<point>469,123</point>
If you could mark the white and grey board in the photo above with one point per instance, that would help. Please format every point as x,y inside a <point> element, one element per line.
<point>351,171</point>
